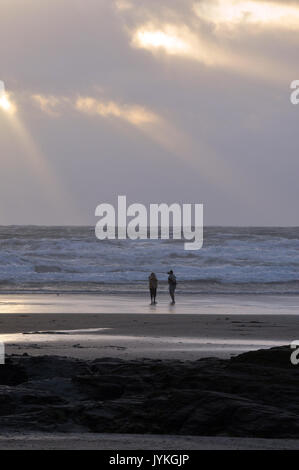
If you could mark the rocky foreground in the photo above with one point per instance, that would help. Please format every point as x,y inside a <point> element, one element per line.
<point>255,394</point>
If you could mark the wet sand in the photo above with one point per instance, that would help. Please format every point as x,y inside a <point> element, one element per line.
<point>130,336</point>
<point>128,327</point>
<point>127,304</point>
<point>212,330</point>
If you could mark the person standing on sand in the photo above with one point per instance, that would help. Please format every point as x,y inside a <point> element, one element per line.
<point>172,285</point>
<point>153,284</point>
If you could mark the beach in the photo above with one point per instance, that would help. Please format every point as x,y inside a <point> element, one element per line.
<point>149,153</point>
<point>76,373</point>
<point>189,330</point>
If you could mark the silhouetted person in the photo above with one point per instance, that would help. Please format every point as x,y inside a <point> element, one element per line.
<point>153,284</point>
<point>172,285</point>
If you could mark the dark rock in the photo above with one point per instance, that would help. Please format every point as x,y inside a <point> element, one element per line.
<point>274,357</point>
<point>252,395</point>
<point>100,387</point>
<point>12,374</point>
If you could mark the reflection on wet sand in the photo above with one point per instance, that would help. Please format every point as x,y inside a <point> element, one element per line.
<point>94,340</point>
<point>126,304</point>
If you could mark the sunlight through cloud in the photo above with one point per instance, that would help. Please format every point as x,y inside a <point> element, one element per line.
<point>176,40</point>
<point>37,162</point>
<point>55,106</point>
<point>6,103</point>
<point>134,114</point>
<point>49,104</point>
<point>234,12</point>
<point>168,40</point>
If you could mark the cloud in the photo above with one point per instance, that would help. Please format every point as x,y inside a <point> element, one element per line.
<point>134,114</point>
<point>154,127</point>
<point>177,40</point>
<point>170,39</point>
<point>233,13</point>
<point>123,5</point>
<point>181,42</point>
<point>189,108</point>
<point>234,35</point>
<point>7,104</point>
<point>49,104</point>
<point>55,106</point>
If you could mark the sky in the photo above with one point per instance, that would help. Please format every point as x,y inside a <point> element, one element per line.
<point>177,101</point>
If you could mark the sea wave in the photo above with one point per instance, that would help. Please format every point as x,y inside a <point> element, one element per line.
<point>71,259</point>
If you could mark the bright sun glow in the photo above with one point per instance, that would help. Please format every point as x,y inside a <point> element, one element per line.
<point>237,11</point>
<point>168,40</point>
<point>6,104</point>
<point>175,40</point>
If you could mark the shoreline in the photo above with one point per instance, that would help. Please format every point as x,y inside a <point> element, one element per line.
<point>140,304</point>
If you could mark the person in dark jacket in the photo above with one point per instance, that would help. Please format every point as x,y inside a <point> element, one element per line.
<point>172,285</point>
<point>153,284</point>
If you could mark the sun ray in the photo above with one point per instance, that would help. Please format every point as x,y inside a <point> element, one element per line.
<point>6,104</point>
<point>53,190</point>
<point>178,40</point>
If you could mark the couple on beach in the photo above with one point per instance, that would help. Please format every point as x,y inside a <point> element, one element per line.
<point>153,285</point>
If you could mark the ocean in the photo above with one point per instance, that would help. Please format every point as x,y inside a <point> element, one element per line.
<point>233,260</point>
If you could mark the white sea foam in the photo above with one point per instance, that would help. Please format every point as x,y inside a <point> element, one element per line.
<point>71,258</point>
